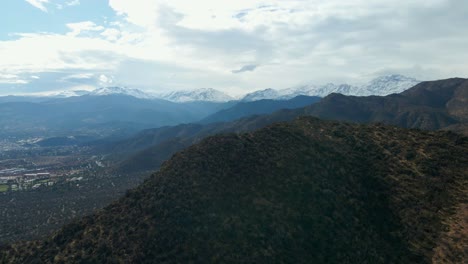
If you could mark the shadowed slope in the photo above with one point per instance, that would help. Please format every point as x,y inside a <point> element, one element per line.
<point>243,109</point>
<point>306,192</point>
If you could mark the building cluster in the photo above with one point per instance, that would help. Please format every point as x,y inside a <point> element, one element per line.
<point>25,177</point>
<point>26,181</point>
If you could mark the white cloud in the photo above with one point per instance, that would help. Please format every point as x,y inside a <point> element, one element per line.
<point>11,79</point>
<point>138,12</point>
<point>178,44</point>
<point>78,76</point>
<point>105,80</point>
<point>39,4</point>
<point>111,34</point>
<point>77,28</point>
<point>73,3</point>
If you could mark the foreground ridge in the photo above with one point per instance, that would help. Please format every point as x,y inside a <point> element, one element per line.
<point>309,191</point>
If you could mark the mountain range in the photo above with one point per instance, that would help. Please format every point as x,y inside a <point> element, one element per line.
<point>115,114</point>
<point>264,106</point>
<point>429,105</point>
<point>308,191</point>
<point>99,116</point>
<point>204,94</point>
<point>383,85</point>
<point>434,105</point>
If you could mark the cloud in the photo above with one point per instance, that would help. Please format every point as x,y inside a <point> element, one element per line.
<point>77,28</point>
<point>246,68</point>
<point>11,79</point>
<point>111,34</point>
<point>73,3</point>
<point>39,4</point>
<point>79,77</point>
<point>138,12</point>
<point>105,80</point>
<point>174,44</point>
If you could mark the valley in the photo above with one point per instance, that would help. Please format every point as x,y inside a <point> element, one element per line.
<point>43,188</point>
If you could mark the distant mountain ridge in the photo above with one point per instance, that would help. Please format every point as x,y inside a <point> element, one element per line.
<point>204,94</point>
<point>122,91</point>
<point>429,105</point>
<point>102,91</point>
<point>380,86</point>
<point>267,94</point>
<point>259,107</point>
<point>198,95</point>
<point>102,114</point>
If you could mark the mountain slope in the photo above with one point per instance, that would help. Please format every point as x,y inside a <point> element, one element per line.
<point>385,85</point>
<point>119,91</point>
<point>98,114</point>
<point>444,106</point>
<point>204,95</point>
<point>261,95</point>
<point>429,105</point>
<point>380,86</point>
<point>321,91</point>
<point>259,107</point>
<point>310,191</point>
<point>148,150</point>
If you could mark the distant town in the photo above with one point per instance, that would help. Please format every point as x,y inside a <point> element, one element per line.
<point>27,167</point>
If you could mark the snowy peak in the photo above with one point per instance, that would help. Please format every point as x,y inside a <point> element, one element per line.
<point>313,90</point>
<point>204,94</point>
<point>389,84</point>
<point>263,94</point>
<point>120,91</point>
<point>380,86</point>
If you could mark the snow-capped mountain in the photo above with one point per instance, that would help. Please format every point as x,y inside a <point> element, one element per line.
<point>121,91</point>
<point>99,92</point>
<point>314,90</point>
<point>381,86</point>
<point>204,94</point>
<point>263,94</point>
<point>389,84</point>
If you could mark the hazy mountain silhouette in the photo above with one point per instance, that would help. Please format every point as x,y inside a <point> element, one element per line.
<point>99,114</point>
<point>243,109</point>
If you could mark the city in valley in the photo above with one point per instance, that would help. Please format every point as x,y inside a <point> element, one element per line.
<point>25,165</point>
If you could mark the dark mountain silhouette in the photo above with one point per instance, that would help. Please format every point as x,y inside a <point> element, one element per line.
<point>259,107</point>
<point>99,114</point>
<point>309,191</point>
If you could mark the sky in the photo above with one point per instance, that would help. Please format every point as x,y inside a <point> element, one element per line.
<point>233,46</point>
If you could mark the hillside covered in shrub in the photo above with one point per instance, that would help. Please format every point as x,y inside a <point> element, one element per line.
<point>309,191</point>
